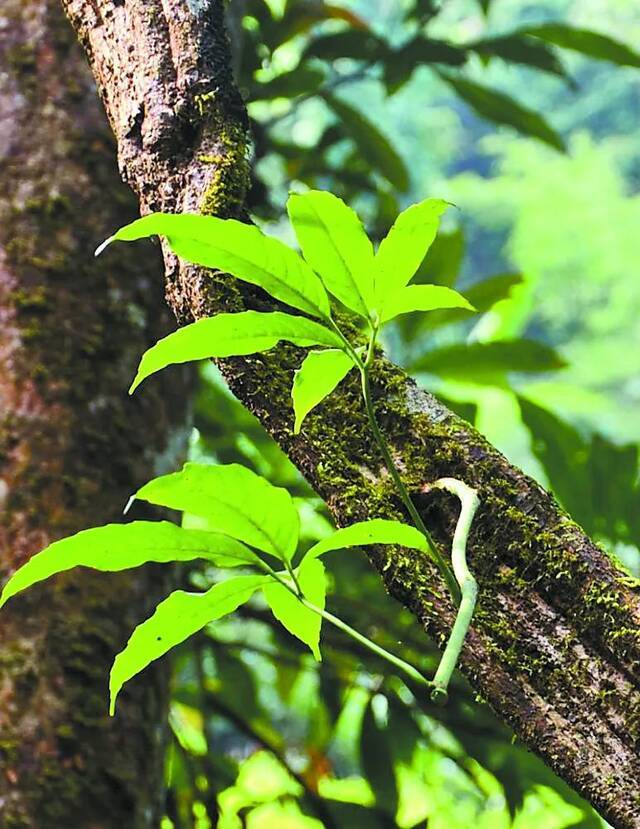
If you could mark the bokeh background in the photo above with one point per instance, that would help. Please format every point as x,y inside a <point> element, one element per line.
<point>528,123</point>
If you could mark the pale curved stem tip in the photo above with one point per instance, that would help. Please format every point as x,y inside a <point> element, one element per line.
<point>101,248</point>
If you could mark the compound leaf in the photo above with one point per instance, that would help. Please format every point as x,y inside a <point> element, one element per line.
<point>316,378</point>
<point>235,501</point>
<point>227,335</point>
<point>239,249</point>
<point>175,619</point>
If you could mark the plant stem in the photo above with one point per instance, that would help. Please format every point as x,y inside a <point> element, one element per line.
<point>408,669</point>
<point>468,505</point>
<point>400,487</point>
<point>461,583</point>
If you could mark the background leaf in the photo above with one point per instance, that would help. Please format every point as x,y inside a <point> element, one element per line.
<point>593,44</point>
<point>483,362</point>
<point>502,109</point>
<point>371,143</point>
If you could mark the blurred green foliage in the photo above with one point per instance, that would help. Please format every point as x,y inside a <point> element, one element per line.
<point>385,102</point>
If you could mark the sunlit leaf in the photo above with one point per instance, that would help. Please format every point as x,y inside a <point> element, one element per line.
<point>122,546</point>
<point>336,246</point>
<point>227,335</point>
<point>175,619</point>
<point>235,501</point>
<point>316,378</point>
<point>240,249</point>
<point>375,531</point>
<point>422,298</point>
<point>482,362</point>
<point>502,109</point>
<point>299,620</point>
<point>593,44</point>
<point>405,246</point>
<point>374,147</point>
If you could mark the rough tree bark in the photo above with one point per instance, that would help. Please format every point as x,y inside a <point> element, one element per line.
<point>72,446</point>
<point>555,644</point>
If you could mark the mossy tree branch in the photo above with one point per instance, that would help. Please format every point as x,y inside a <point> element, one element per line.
<point>554,646</point>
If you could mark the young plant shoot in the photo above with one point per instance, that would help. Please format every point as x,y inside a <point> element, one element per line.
<point>251,524</point>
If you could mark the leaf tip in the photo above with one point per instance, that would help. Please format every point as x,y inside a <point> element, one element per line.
<point>136,382</point>
<point>101,248</point>
<point>129,504</point>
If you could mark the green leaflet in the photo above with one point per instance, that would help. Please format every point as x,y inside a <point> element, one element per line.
<point>240,249</point>
<point>336,246</point>
<point>375,531</point>
<point>290,612</point>
<point>121,546</point>
<point>405,246</point>
<point>176,618</point>
<point>235,501</point>
<point>422,298</point>
<point>227,335</point>
<point>316,378</point>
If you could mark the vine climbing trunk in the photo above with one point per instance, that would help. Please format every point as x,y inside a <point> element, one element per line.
<point>71,445</point>
<point>554,646</point>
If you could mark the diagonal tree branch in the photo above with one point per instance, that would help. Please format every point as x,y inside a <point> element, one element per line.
<point>555,644</point>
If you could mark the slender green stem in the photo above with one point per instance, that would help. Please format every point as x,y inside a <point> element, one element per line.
<point>461,583</point>
<point>401,489</point>
<point>363,367</point>
<point>469,587</point>
<point>408,669</point>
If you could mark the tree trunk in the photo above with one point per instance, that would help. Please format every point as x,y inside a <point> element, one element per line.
<point>72,446</point>
<point>555,646</point>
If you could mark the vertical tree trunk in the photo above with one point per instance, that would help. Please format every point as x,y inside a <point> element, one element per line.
<point>72,445</point>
